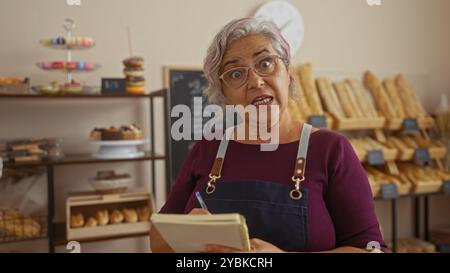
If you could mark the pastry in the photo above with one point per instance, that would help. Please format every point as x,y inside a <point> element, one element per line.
<point>71,65</point>
<point>91,222</point>
<point>133,72</point>
<point>112,133</point>
<point>136,90</point>
<point>76,220</point>
<point>134,62</point>
<point>130,215</point>
<point>116,217</point>
<point>58,65</point>
<point>135,81</point>
<point>102,217</point>
<point>132,132</point>
<point>143,214</point>
<point>50,89</point>
<point>72,88</point>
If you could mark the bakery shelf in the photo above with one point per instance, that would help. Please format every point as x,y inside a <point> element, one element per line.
<point>359,124</point>
<point>22,228</point>
<point>397,124</point>
<point>60,235</point>
<point>72,96</point>
<point>75,159</point>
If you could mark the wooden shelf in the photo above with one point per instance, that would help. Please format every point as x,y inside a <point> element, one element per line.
<point>156,93</point>
<point>61,237</point>
<point>70,96</point>
<point>75,159</point>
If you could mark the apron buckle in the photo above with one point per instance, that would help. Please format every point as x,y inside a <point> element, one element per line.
<point>211,187</point>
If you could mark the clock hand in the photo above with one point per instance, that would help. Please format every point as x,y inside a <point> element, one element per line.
<point>285,25</point>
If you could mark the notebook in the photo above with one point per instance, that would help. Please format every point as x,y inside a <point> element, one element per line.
<point>190,233</point>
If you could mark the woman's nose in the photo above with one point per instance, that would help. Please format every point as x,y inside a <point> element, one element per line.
<point>254,80</point>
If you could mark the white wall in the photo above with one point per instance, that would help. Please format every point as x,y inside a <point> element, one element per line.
<point>342,36</point>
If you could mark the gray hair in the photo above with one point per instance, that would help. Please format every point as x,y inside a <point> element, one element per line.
<point>234,30</point>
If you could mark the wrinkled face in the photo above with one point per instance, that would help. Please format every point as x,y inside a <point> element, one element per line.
<point>258,89</point>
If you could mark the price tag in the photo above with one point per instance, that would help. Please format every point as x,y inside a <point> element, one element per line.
<point>375,157</point>
<point>446,187</point>
<point>113,86</point>
<point>410,126</point>
<point>422,156</point>
<point>389,191</point>
<point>318,121</point>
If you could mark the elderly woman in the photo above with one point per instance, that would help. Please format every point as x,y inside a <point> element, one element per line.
<point>310,194</point>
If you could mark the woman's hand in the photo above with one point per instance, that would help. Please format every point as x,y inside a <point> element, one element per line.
<point>257,245</point>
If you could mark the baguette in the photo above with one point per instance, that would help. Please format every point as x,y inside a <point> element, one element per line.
<point>344,99</point>
<point>363,98</point>
<point>329,102</point>
<point>393,94</point>
<point>312,96</point>
<point>408,91</point>
<point>302,103</point>
<point>381,98</point>
<point>353,100</point>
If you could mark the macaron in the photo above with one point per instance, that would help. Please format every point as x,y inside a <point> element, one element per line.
<point>135,81</point>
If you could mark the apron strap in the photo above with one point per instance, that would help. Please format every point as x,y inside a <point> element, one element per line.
<point>299,171</point>
<point>218,162</point>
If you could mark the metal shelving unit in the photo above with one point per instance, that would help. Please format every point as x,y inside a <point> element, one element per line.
<point>56,234</point>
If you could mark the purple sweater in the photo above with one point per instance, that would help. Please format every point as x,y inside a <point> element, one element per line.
<point>340,210</point>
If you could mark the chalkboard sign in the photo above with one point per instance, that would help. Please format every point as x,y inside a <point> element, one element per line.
<point>113,86</point>
<point>183,85</point>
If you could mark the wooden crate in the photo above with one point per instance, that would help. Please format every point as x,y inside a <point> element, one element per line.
<point>88,204</point>
<point>389,154</point>
<point>426,186</point>
<point>359,124</point>
<point>438,152</point>
<point>405,154</point>
<point>397,124</point>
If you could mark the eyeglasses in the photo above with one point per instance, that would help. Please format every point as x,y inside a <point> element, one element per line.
<point>237,76</point>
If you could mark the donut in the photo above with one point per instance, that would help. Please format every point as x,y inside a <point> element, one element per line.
<point>133,72</point>
<point>135,89</point>
<point>134,62</point>
<point>135,81</point>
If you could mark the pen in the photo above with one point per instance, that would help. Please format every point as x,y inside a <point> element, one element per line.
<point>200,200</point>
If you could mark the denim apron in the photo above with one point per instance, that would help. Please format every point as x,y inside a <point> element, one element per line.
<point>276,213</point>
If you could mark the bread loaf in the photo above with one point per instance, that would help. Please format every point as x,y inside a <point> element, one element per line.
<point>381,98</point>
<point>327,97</point>
<point>394,96</point>
<point>363,98</point>
<point>344,99</point>
<point>309,87</point>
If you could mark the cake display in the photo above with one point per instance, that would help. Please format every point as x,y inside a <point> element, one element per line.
<point>125,132</point>
<point>118,142</point>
